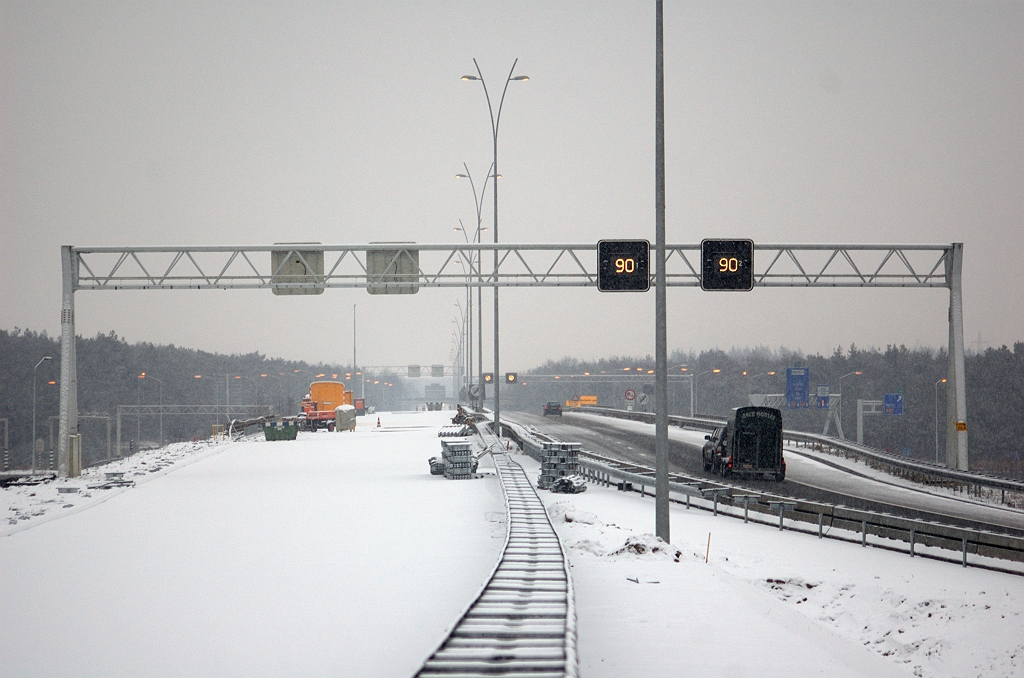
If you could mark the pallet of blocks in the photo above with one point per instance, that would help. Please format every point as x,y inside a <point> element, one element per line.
<point>559,460</point>
<point>459,463</point>
<point>455,431</point>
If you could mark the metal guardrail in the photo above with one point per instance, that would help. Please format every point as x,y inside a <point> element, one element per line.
<point>914,533</point>
<point>919,470</point>
<point>523,622</point>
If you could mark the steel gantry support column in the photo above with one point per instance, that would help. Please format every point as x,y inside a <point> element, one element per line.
<point>956,393</point>
<point>68,360</point>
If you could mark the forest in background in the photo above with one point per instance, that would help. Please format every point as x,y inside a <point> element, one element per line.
<point>109,369</point>
<point>108,376</point>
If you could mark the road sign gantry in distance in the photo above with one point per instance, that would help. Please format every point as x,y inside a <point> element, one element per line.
<point>623,265</point>
<point>727,265</point>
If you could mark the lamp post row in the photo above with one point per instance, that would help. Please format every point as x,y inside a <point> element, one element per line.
<point>495,124</point>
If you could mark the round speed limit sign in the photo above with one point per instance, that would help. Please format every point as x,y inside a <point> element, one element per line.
<point>630,394</point>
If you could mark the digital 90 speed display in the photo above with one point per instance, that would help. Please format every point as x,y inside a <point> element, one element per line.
<point>623,265</point>
<point>727,265</point>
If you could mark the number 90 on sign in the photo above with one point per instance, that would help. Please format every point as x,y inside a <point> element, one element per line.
<point>623,265</point>
<point>727,265</point>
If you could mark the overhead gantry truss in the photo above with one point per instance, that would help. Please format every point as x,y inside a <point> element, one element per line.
<point>406,267</point>
<point>403,268</point>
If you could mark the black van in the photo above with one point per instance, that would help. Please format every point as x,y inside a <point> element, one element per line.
<point>749,445</point>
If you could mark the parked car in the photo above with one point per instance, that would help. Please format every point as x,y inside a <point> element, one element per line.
<point>553,407</point>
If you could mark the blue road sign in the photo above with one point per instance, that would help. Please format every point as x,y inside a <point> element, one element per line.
<point>798,387</point>
<point>822,396</point>
<point>893,404</point>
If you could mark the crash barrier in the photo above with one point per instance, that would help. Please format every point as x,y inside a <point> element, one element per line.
<point>523,622</point>
<point>238,426</point>
<point>914,533</point>
<point>919,471</point>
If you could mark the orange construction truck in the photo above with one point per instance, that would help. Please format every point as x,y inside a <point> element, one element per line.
<point>319,405</point>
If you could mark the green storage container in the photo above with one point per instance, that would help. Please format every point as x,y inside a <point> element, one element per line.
<point>281,430</point>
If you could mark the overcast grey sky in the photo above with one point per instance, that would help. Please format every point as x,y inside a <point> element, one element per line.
<point>175,123</point>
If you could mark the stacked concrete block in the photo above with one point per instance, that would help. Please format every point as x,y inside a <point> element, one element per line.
<point>455,431</point>
<point>559,460</point>
<point>458,458</point>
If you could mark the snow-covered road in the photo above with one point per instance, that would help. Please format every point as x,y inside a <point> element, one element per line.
<point>806,467</point>
<point>336,554</point>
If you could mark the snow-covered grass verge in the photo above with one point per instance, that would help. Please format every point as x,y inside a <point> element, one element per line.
<point>771,603</point>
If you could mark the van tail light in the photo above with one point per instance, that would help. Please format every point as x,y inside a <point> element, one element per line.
<point>728,461</point>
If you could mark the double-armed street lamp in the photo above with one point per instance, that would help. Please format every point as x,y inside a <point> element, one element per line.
<point>750,379</point>
<point>41,361</point>
<point>495,123</point>
<point>254,381</point>
<point>478,204</point>
<point>693,406</point>
<point>465,323</point>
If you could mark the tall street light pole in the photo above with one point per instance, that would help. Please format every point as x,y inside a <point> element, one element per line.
<point>478,203</point>
<point>495,122</point>
<point>465,342</point>
<point>661,501</point>
<point>940,381</point>
<point>41,361</point>
<point>692,397</point>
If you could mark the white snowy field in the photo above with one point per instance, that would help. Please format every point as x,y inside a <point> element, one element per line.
<point>336,554</point>
<point>771,603</point>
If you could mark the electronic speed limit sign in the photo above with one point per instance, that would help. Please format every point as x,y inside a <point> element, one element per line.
<point>727,265</point>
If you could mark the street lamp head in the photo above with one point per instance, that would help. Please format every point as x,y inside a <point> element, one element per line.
<point>716,370</point>
<point>521,77</point>
<point>46,357</point>
<point>461,176</point>
<point>470,77</point>
<point>858,373</point>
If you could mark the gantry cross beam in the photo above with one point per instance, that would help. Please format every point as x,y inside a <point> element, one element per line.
<point>409,266</point>
<point>404,268</point>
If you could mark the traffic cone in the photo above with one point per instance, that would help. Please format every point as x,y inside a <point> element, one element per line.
<point>378,422</point>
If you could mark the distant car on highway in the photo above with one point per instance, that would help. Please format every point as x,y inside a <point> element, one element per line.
<point>553,407</point>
